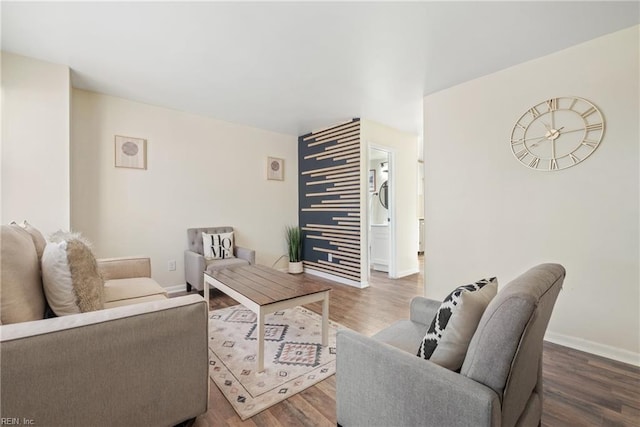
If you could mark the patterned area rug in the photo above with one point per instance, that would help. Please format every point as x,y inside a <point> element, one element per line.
<point>294,357</point>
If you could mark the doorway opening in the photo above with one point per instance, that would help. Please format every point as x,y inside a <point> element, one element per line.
<point>379,213</point>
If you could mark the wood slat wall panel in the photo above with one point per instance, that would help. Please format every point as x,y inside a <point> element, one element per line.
<point>341,129</point>
<point>337,254</point>
<point>329,197</point>
<point>338,148</point>
<point>356,192</point>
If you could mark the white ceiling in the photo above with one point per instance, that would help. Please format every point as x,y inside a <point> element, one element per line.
<point>293,67</point>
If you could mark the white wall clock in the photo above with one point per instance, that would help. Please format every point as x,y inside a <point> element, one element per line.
<point>557,133</point>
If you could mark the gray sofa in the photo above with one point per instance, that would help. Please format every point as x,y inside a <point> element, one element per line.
<point>195,263</point>
<point>143,360</point>
<point>381,382</point>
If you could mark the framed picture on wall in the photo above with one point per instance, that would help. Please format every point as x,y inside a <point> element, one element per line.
<point>130,152</point>
<point>275,168</point>
<point>372,180</point>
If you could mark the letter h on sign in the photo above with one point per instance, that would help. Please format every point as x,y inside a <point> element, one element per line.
<point>221,247</point>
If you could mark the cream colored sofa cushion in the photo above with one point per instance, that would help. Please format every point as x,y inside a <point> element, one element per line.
<point>124,268</point>
<point>119,292</point>
<point>21,296</point>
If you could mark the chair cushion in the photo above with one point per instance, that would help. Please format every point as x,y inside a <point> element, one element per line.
<point>70,276</point>
<point>219,264</point>
<point>404,334</point>
<point>455,322</point>
<point>127,289</point>
<point>21,295</point>
<point>217,246</point>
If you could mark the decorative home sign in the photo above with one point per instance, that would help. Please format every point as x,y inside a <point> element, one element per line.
<point>275,168</point>
<point>372,180</point>
<point>130,152</point>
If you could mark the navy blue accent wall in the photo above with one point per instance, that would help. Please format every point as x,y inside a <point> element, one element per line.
<point>329,195</point>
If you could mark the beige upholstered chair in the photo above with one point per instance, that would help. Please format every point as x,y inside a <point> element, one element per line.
<point>195,263</point>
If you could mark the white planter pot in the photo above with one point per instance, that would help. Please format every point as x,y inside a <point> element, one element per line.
<point>295,267</point>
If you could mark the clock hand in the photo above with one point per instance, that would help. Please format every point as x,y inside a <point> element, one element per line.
<point>533,137</point>
<point>538,139</point>
<point>535,144</point>
<point>573,130</point>
<point>552,135</point>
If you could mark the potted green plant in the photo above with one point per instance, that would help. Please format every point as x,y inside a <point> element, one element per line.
<point>294,246</point>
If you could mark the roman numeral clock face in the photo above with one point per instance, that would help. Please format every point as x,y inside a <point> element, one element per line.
<point>557,133</point>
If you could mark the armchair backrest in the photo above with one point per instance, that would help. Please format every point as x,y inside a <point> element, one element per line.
<point>505,352</point>
<point>194,236</point>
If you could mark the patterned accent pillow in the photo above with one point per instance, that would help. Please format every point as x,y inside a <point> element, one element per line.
<point>218,246</point>
<point>455,322</point>
<point>70,277</point>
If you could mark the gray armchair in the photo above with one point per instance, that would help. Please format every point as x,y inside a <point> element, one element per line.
<point>195,263</point>
<point>381,382</point>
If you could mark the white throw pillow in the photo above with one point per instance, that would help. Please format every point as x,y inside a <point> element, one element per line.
<point>70,277</point>
<point>448,337</point>
<point>218,246</point>
<point>56,279</point>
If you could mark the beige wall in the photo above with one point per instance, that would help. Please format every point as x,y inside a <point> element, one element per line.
<point>201,172</point>
<point>486,214</point>
<point>404,195</point>
<point>35,143</point>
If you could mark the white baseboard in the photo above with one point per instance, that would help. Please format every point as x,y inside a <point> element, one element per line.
<point>336,278</point>
<point>171,290</point>
<point>405,273</point>
<point>603,350</point>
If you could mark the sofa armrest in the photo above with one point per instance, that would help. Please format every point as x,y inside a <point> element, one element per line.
<point>244,253</point>
<point>423,310</point>
<point>146,362</point>
<point>380,385</point>
<point>194,265</point>
<point>124,268</point>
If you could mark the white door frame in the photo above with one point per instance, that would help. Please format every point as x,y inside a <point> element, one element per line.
<point>391,210</point>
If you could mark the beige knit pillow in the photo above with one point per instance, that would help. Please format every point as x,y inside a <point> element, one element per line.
<point>70,276</point>
<point>38,239</point>
<point>21,297</point>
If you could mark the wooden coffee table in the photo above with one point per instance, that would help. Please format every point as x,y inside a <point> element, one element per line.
<point>264,290</point>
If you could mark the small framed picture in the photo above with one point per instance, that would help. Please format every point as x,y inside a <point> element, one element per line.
<point>372,180</point>
<point>130,152</point>
<point>275,168</point>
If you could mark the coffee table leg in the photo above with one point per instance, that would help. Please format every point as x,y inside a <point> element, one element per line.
<point>325,319</point>
<point>206,293</point>
<point>260,341</point>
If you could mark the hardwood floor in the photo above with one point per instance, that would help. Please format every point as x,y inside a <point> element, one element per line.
<point>580,389</point>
